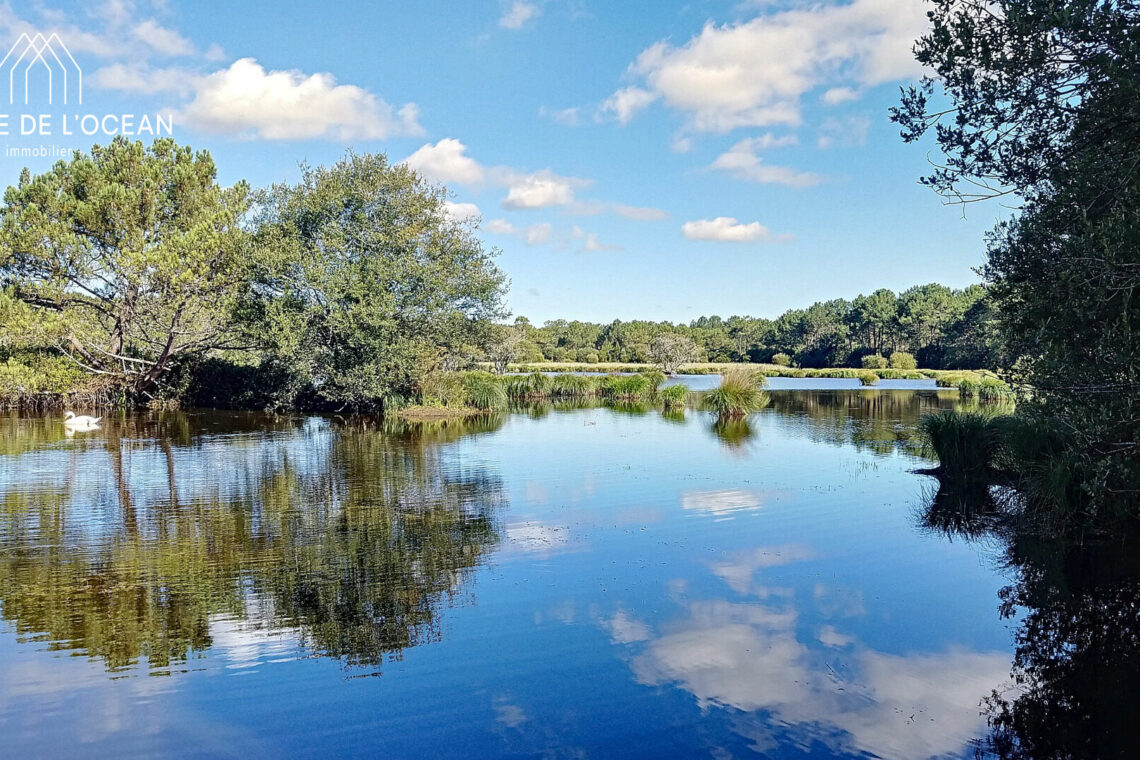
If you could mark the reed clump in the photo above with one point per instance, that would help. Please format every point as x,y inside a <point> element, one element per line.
<point>741,392</point>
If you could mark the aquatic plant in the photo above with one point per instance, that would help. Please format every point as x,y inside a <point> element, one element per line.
<point>485,391</point>
<point>674,396</point>
<point>571,385</point>
<point>740,392</point>
<point>966,443</point>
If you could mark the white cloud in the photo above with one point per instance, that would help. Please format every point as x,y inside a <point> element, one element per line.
<point>446,161</point>
<point>535,234</point>
<point>461,212</point>
<point>742,162</point>
<point>145,80</point>
<point>837,95</point>
<point>726,229</point>
<point>571,117</point>
<point>754,73</point>
<point>636,213</point>
<point>162,40</point>
<point>625,103</point>
<point>847,132</point>
<point>517,14</point>
<point>539,190</point>
<point>592,244</point>
<point>639,213</point>
<point>501,227</point>
<point>245,99</point>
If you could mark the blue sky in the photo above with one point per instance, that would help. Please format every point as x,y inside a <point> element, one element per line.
<point>653,160</point>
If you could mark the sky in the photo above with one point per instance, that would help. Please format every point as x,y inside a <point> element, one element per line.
<point>631,159</point>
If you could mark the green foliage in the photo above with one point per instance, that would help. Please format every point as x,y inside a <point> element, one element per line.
<point>874,361</point>
<point>626,387</point>
<point>673,396</point>
<point>368,280</point>
<point>1057,124</point>
<point>740,392</point>
<point>570,386</point>
<point>966,444</point>
<point>903,360</point>
<point>136,257</point>
<point>781,360</point>
<point>485,391</point>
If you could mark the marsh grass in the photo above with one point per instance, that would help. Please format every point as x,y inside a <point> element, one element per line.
<point>965,443</point>
<point>741,392</point>
<point>674,396</point>
<point>570,386</point>
<point>484,391</point>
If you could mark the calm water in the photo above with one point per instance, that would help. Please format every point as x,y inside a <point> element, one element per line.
<point>555,582</point>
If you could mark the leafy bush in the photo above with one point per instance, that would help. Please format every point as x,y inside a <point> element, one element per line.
<point>903,360</point>
<point>875,361</point>
<point>782,360</point>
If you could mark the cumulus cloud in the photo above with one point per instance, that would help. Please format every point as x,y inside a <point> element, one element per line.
<point>517,14</point>
<point>755,72</point>
<point>461,212</point>
<point>625,103</point>
<point>446,161</point>
<point>245,99</point>
<point>727,229</point>
<point>539,190</point>
<point>743,162</point>
<point>837,95</point>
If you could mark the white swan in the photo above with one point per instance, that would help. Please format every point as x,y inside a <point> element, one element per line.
<point>80,422</point>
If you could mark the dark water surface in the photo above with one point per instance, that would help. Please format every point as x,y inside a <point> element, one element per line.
<point>554,582</point>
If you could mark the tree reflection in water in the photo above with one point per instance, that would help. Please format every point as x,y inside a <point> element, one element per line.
<point>1077,660</point>
<point>348,535</point>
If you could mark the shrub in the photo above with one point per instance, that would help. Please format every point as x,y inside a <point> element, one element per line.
<point>868,378</point>
<point>903,360</point>
<point>592,357</point>
<point>875,361</point>
<point>782,360</point>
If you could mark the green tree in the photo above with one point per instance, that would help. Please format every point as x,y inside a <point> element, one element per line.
<point>133,257</point>
<point>370,281</point>
<point>1058,125</point>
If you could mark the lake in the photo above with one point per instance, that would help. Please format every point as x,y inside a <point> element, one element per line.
<point>559,581</point>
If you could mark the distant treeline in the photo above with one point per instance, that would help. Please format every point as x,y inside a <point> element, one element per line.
<point>941,327</point>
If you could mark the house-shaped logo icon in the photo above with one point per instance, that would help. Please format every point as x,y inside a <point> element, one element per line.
<point>31,57</point>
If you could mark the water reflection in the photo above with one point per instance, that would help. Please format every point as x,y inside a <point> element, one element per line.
<point>787,683</point>
<point>1076,604</point>
<point>156,542</point>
